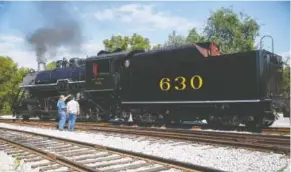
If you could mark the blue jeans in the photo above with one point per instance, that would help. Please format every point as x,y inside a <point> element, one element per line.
<point>62,120</point>
<point>72,120</point>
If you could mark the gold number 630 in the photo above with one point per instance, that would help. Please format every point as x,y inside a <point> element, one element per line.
<point>180,83</point>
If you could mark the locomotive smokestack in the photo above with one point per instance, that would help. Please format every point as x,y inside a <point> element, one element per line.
<point>41,66</point>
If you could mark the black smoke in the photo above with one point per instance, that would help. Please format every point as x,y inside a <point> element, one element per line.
<point>61,28</point>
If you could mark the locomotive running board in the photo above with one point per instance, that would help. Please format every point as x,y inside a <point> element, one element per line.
<point>98,90</point>
<point>47,85</point>
<point>192,102</point>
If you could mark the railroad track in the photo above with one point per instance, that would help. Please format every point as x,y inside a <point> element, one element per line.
<point>273,130</point>
<point>262,142</point>
<point>43,162</point>
<point>68,155</point>
<point>275,143</point>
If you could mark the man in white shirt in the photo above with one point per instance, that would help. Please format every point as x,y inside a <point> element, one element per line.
<point>73,109</point>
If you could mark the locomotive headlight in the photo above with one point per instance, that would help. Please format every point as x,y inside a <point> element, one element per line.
<point>126,63</point>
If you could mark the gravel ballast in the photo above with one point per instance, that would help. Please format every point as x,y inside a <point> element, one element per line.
<point>224,158</point>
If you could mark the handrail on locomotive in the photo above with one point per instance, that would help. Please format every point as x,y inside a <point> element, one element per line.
<point>261,42</point>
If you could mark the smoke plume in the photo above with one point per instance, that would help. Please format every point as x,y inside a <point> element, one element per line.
<point>60,29</point>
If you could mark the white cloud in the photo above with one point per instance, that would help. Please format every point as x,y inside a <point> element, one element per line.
<point>106,14</point>
<point>145,16</point>
<point>11,38</point>
<point>11,46</point>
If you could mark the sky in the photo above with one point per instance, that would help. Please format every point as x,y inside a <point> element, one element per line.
<point>155,20</point>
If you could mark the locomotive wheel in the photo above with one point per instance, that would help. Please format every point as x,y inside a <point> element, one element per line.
<point>268,119</point>
<point>267,123</point>
<point>258,123</point>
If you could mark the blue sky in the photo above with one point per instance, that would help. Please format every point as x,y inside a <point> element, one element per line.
<point>155,20</point>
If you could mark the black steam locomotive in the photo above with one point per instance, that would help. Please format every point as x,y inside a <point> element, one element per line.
<point>180,83</point>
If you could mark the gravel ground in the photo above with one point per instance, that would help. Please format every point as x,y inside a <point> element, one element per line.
<point>225,158</point>
<point>9,164</point>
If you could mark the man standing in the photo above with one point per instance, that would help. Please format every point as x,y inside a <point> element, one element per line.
<point>73,109</point>
<point>61,105</point>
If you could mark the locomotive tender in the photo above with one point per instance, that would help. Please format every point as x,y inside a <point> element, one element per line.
<point>180,83</point>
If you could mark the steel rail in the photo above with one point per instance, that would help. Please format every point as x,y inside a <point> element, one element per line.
<point>280,145</point>
<point>194,127</point>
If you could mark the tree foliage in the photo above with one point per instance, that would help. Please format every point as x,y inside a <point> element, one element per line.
<point>156,47</point>
<point>174,39</point>
<point>135,42</point>
<point>194,37</point>
<point>51,65</point>
<point>116,42</point>
<point>10,79</point>
<point>233,32</point>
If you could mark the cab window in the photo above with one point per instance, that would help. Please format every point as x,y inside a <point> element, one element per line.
<point>100,67</point>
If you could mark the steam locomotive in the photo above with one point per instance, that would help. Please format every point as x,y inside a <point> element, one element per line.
<point>40,90</point>
<point>173,84</point>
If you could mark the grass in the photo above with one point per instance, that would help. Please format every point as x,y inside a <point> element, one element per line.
<point>16,162</point>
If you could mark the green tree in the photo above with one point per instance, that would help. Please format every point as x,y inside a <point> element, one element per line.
<point>234,33</point>
<point>134,42</point>
<point>174,39</point>
<point>156,47</point>
<point>194,37</point>
<point>137,42</point>
<point>116,42</point>
<point>10,78</point>
<point>286,76</point>
<point>51,65</point>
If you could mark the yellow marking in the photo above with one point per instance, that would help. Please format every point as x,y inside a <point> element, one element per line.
<point>200,82</point>
<point>165,82</point>
<point>181,83</point>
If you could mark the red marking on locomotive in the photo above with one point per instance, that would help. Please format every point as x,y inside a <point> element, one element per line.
<point>208,49</point>
<point>95,69</point>
<point>214,50</point>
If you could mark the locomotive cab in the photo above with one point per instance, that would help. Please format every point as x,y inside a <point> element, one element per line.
<point>102,71</point>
